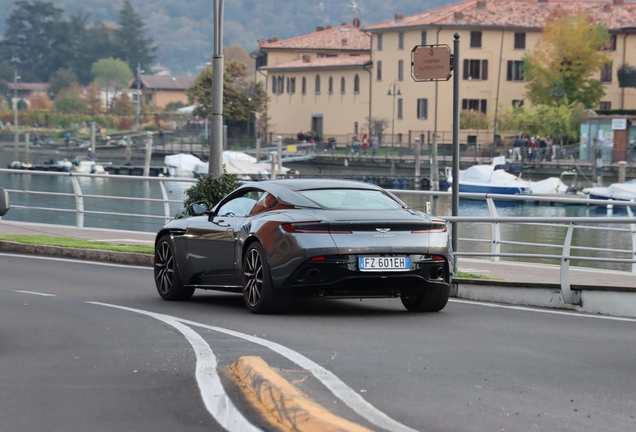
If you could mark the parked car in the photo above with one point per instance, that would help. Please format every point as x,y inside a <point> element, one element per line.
<point>277,240</point>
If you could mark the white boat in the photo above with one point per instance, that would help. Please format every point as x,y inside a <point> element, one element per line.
<point>493,179</point>
<point>616,191</point>
<point>241,164</point>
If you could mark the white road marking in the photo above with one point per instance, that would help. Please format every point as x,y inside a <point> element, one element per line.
<point>349,396</point>
<point>214,397</point>
<point>35,293</point>
<point>548,311</point>
<point>77,261</point>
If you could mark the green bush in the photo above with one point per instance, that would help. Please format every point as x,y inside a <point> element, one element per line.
<point>210,190</point>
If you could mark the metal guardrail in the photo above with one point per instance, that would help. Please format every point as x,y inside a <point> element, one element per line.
<point>494,220</point>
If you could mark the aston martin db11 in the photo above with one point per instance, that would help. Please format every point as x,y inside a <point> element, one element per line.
<point>277,240</point>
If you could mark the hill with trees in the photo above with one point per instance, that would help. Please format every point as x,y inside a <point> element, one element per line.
<point>183,31</point>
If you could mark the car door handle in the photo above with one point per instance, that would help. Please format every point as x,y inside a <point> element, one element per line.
<point>222,223</point>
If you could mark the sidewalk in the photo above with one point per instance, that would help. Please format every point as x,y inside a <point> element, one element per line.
<point>506,273</point>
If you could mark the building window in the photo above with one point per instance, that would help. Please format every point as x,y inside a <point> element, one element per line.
<point>380,42</point>
<point>422,109</point>
<point>330,85</point>
<point>399,108</point>
<point>356,84</point>
<point>475,69</point>
<point>304,85</point>
<point>401,40</point>
<point>317,86</point>
<point>401,70</point>
<point>281,84</point>
<point>606,73</point>
<point>605,106</point>
<point>291,85</point>
<point>475,39</point>
<point>516,103</point>
<point>475,105</point>
<point>424,37</point>
<point>520,41</point>
<point>610,45</point>
<point>342,85</point>
<point>148,98</point>
<point>274,84</point>
<point>378,71</point>
<point>399,138</point>
<point>261,61</point>
<point>515,70</point>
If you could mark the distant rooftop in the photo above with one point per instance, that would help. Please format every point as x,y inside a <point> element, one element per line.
<point>614,14</point>
<point>343,38</point>
<point>165,82</point>
<point>339,62</point>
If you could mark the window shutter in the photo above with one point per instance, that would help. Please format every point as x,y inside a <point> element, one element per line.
<point>425,108</point>
<point>509,70</point>
<point>464,104</point>
<point>466,62</point>
<point>484,69</point>
<point>484,108</point>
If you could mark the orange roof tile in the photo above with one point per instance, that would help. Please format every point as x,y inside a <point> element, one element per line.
<point>324,62</point>
<point>516,13</point>
<point>341,38</point>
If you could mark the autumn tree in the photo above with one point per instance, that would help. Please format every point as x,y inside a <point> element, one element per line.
<point>40,101</point>
<point>240,95</point>
<point>565,60</point>
<point>122,105</point>
<point>93,99</point>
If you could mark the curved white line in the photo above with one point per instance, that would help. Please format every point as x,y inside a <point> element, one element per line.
<point>98,263</point>
<point>352,399</point>
<point>214,397</point>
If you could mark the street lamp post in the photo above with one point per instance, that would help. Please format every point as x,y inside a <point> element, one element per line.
<point>216,137</point>
<point>16,145</point>
<point>394,90</point>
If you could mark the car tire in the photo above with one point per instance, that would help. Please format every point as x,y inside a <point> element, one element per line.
<point>430,300</point>
<point>167,278</point>
<point>258,291</point>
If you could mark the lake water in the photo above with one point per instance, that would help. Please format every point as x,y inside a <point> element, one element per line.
<point>136,189</point>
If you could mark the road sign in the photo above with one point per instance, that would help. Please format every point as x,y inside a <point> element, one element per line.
<point>431,63</point>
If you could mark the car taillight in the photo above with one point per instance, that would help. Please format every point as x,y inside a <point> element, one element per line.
<point>434,228</point>
<point>314,227</point>
<point>438,258</point>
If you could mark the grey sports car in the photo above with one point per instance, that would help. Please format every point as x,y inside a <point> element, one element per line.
<point>307,238</point>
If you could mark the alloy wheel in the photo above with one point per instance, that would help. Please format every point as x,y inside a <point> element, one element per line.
<point>164,267</point>
<point>253,277</point>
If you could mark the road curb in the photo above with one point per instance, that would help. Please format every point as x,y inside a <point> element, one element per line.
<point>127,258</point>
<point>280,401</point>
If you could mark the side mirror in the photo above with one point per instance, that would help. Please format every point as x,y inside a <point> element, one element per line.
<point>4,202</point>
<point>199,208</point>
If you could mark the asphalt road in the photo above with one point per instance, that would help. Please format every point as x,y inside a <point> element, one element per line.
<point>70,361</point>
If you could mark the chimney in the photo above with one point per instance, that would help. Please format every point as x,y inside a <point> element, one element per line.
<point>356,22</point>
<point>481,4</point>
<point>328,26</point>
<point>607,7</point>
<point>544,1</point>
<point>306,58</point>
<point>273,39</point>
<point>319,28</point>
<point>344,23</point>
<point>344,42</point>
<point>399,17</point>
<point>459,16</point>
<point>619,2</point>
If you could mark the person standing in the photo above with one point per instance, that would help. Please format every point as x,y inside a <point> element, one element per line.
<point>375,144</point>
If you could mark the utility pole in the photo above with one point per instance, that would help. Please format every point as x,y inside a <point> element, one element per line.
<point>216,136</point>
<point>138,118</point>
<point>16,144</point>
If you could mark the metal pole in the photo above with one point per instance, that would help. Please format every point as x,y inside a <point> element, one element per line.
<point>148,154</point>
<point>595,159</point>
<point>138,117</point>
<point>393,123</point>
<point>417,163</point>
<point>456,154</point>
<point>216,136</point>
<point>434,165</point>
<point>279,151</point>
<point>16,145</point>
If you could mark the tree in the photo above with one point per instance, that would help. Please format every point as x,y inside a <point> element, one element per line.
<point>133,44</point>
<point>240,96</point>
<point>31,38</point>
<point>70,101</point>
<point>561,120</point>
<point>111,73</point>
<point>93,100</point>
<point>564,60</point>
<point>40,101</point>
<point>62,79</point>
<point>471,119</point>
<point>122,105</point>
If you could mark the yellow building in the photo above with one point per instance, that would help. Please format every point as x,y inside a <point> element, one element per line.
<point>160,90</point>
<point>495,36</point>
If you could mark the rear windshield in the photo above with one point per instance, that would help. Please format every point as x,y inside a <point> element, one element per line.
<point>351,199</point>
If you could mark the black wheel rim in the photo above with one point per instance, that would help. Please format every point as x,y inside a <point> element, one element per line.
<point>253,277</point>
<point>164,267</point>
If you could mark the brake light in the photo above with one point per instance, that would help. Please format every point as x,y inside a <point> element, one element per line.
<point>438,258</point>
<point>313,227</point>
<point>318,258</point>
<point>435,228</point>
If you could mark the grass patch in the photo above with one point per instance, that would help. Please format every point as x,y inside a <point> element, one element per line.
<point>465,275</point>
<point>75,243</point>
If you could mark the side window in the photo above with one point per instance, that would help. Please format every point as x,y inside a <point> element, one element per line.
<point>240,206</point>
<point>267,202</point>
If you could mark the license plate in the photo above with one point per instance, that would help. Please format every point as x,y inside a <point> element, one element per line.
<point>399,263</point>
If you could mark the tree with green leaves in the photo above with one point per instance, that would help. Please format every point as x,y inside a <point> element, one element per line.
<point>70,101</point>
<point>62,79</point>
<point>240,95</point>
<point>112,74</point>
<point>565,61</point>
<point>122,105</point>
<point>133,44</point>
<point>30,40</point>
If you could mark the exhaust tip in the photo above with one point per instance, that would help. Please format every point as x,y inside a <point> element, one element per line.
<point>313,274</point>
<point>437,273</point>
